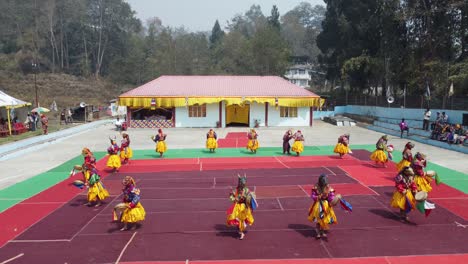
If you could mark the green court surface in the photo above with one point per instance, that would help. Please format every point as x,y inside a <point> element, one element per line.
<point>34,185</point>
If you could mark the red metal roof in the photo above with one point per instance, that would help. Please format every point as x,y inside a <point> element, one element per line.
<point>215,86</point>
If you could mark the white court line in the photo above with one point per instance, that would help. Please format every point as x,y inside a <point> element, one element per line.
<point>26,229</point>
<point>214,182</point>
<point>186,261</point>
<point>201,166</point>
<point>40,241</point>
<point>287,167</point>
<point>358,181</point>
<point>13,258</point>
<point>111,202</point>
<point>334,174</point>
<point>306,193</point>
<point>281,206</point>
<point>125,248</point>
<point>360,228</point>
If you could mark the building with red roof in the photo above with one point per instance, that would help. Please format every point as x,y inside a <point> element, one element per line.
<point>210,101</point>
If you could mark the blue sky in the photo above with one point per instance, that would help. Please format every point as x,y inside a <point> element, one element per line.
<point>200,15</point>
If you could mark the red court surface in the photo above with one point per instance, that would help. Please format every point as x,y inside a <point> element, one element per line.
<point>186,212</point>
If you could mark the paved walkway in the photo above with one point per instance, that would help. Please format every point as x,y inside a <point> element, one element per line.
<point>52,154</point>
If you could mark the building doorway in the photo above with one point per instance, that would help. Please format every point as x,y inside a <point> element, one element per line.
<point>238,115</point>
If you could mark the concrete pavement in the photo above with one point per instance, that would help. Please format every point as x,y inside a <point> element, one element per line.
<point>43,157</point>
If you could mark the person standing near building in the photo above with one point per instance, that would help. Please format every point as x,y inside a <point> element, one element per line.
<point>69,116</point>
<point>427,118</point>
<point>45,124</point>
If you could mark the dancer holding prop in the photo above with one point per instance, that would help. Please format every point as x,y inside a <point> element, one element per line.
<point>91,179</point>
<point>240,213</point>
<point>403,196</point>
<point>321,211</point>
<point>126,152</point>
<point>298,146</point>
<point>211,140</point>
<point>132,212</point>
<point>342,147</point>
<point>379,155</point>
<point>286,146</point>
<point>160,140</point>
<point>113,151</point>
<point>253,144</point>
<point>423,179</point>
<point>407,157</point>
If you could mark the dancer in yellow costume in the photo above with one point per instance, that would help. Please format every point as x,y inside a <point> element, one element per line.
<point>211,140</point>
<point>91,179</point>
<point>253,144</point>
<point>126,152</point>
<point>160,140</point>
<point>114,159</point>
<point>407,157</point>
<point>96,191</point>
<point>298,146</point>
<point>240,213</point>
<point>133,211</point>
<point>405,189</point>
<point>422,179</point>
<point>321,211</point>
<point>379,155</point>
<point>342,147</point>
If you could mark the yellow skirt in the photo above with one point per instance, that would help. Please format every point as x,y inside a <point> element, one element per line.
<point>96,192</point>
<point>211,143</point>
<point>328,216</point>
<point>423,183</point>
<point>114,161</point>
<point>239,215</point>
<point>379,156</point>
<point>297,147</point>
<point>133,215</point>
<point>341,149</point>
<point>253,144</point>
<point>161,147</point>
<point>403,163</point>
<point>399,200</point>
<point>126,154</point>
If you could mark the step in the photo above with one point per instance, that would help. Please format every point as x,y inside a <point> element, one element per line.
<point>411,123</point>
<point>440,144</point>
<point>395,127</point>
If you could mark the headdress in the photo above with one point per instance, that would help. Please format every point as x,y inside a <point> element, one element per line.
<point>113,139</point>
<point>409,145</point>
<point>124,135</point>
<point>242,179</point>
<point>85,151</point>
<point>385,137</point>
<point>128,180</point>
<point>420,155</point>
<point>159,130</point>
<point>323,180</point>
<point>408,171</point>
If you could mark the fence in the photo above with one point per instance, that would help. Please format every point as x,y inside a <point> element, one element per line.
<point>452,103</point>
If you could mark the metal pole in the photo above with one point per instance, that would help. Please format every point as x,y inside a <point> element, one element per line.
<point>34,65</point>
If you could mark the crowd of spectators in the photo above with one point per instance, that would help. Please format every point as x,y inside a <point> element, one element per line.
<point>442,130</point>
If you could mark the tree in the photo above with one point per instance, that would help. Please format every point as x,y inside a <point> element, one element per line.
<point>273,19</point>
<point>217,34</point>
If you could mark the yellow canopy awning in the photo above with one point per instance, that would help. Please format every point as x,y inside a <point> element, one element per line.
<point>169,102</point>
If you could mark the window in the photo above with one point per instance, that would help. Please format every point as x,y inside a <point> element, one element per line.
<point>288,111</point>
<point>197,110</point>
<point>301,71</point>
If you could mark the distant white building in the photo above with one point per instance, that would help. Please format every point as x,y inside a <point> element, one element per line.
<point>300,75</point>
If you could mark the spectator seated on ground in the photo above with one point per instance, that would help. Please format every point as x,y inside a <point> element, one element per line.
<point>445,132</point>
<point>460,135</point>
<point>437,130</point>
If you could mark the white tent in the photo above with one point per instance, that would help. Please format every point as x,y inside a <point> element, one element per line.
<point>9,103</point>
